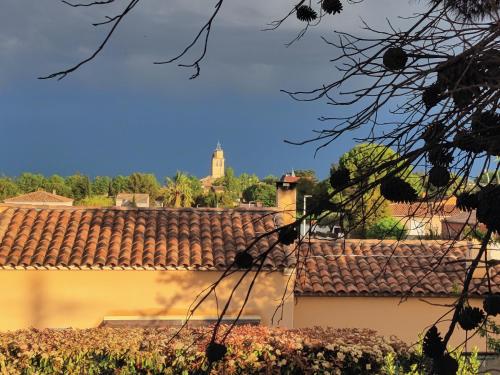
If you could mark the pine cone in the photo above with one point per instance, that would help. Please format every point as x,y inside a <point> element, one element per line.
<point>433,345</point>
<point>486,124</point>
<point>287,235</point>
<point>306,14</point>
<point>439,176</point>
<point>433,133</point>
<point>489,67</point>
<point>397,190</point>
<point>243,260</point>
<point>467,201</point>
<point>432,95</point>
<point>395,58</point>
<point>339,178</point>
<point>332,6</point>
<point>464,97</point>
<point>445,365</point>
<point>488,208</point>
<point>491,304</point>
<point>215,352</point>
<point>465,141</point>
<point>440,156</point>
<point>461,77</point>
<point>470,318</point>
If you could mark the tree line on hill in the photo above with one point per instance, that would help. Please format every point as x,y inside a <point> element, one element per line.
<point>186,190</point>
<point>180,190</point>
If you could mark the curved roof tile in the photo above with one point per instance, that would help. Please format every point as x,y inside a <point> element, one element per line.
<point>375,268</point>
<point>118,237</point>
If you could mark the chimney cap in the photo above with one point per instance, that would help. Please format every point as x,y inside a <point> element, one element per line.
<point>289,178</point>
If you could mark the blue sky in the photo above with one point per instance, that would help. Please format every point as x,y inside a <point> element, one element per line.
<point>122,114</point>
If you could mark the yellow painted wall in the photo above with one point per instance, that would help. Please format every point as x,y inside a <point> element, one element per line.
<point>286,201</point>
<point>81,298</point>
<point>386,315</point>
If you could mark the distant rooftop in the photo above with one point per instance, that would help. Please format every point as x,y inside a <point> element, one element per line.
<point>38,197</point>
<point>423,209</point>
<point>137,197</point>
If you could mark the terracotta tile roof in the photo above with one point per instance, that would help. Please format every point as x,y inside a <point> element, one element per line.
<point>117,237</point>
<point>38,196</point>
<point>374,268</point>
<point>423,209</point>
<point>289,179</point>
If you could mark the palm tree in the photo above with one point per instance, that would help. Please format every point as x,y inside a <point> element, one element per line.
<point>178,191</point>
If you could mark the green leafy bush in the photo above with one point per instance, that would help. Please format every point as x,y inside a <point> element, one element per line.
<point>417,364</point>
<point>153,351</point>
<point>96,201</point>
<point>387,227</point>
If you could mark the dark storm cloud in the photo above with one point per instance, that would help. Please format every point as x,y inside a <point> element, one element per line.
<point>39,37</point>
<point>121,113</point>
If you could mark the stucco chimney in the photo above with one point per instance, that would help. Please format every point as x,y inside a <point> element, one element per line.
<point>286,197</point>
<point>492,254</point>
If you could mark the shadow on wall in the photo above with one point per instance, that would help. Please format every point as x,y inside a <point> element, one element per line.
<point>179,291</point>
<point>40,299</point>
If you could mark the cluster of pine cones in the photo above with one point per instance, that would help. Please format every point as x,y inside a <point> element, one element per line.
<point>306,13</point>
<point>469,318</point>
<point>486,202</point>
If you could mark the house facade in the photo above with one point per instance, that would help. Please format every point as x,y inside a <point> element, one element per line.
<point>86,267</point>
<point>424,219</point>
<point>140,200</point>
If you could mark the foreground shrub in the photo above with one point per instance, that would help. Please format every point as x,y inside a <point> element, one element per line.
<point>153,351</point>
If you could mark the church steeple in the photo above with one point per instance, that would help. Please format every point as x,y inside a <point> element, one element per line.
<point>218,162</point>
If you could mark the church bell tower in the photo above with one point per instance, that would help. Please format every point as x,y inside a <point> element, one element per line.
<point>218,162</point>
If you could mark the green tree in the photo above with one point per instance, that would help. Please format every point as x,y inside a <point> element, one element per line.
<point>120,184</point>
<point>8,188</point>
<point>370,207</point>
<point>387,227</point>
<point>58,184</point>
<point>246,180</point>
<point>80,186</point>
<point>270,179</point>
<point>232,188</point>
<point>211,199</point>
<point>144,183</point>
<point>178,191</point>
<point>261,192</point>
<point>305,186</point>
<point>29,182</point>
<point>100,185</point>
<point>196,187</point>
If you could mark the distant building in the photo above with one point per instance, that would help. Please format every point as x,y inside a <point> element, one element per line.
<point>40,198</point>
<point>459,226</point>
<point>132,200</point>
<point>424,218</point>
<point>217,169</point>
